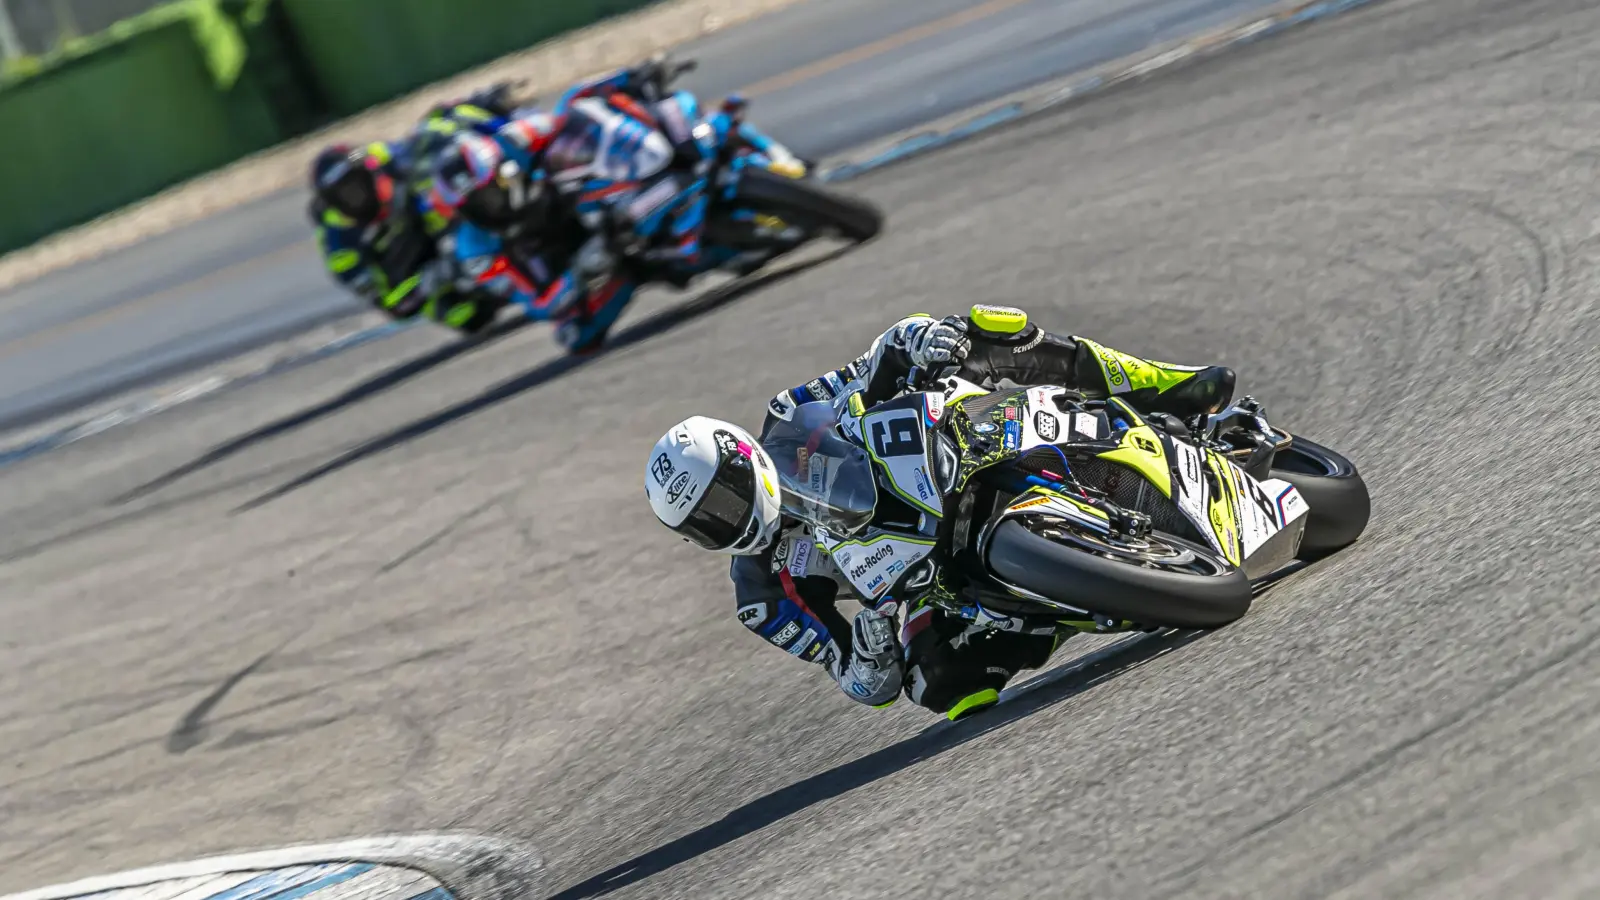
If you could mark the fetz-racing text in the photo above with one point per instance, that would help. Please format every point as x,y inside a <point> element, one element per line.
<point>866,565</point>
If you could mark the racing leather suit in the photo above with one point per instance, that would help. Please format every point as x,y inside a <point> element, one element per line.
<point>788,594</point>
<point>395,262</point>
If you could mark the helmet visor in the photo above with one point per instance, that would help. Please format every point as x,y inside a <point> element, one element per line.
<point>488,206</point>
<point>352,190</point>
<point>726,512</point>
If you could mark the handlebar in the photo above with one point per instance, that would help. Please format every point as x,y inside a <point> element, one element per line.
<point>659,72</point>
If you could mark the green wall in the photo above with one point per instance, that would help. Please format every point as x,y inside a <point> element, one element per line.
<point>367,51</point>
<point>97,131</point>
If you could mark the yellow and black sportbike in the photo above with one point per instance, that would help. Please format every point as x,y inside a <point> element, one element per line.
<point>1036,509</point>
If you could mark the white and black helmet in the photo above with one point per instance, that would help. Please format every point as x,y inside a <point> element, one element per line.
<point>711,482</point>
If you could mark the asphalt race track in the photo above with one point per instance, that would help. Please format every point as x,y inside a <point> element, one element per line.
<point>389,599</point>
<point>824,76</point>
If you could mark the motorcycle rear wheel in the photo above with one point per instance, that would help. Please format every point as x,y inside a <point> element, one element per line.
<point>1162,581</point>
<point>1331,486</point>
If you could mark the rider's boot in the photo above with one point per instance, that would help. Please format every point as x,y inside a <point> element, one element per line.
<point>1183,391</point>
<point>956,668</point>
<point>583,330</point>
<point>871,671</point>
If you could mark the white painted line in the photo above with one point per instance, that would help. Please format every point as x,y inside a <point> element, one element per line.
<point>469,867</point>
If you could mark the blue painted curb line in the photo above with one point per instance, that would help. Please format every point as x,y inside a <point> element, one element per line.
<point>1196,48</point>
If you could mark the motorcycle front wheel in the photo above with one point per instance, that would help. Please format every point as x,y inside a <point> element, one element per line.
<point>1160,580</point>
<point>809,204</point>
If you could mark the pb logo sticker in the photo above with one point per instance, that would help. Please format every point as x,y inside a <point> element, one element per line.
<point>662,469</point>
<point>1046,425</point>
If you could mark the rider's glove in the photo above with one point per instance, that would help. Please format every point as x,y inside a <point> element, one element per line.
<point>938,345</point>
<point>873,670</point>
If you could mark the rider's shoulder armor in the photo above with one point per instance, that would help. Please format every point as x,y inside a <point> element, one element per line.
<point>998,322</point>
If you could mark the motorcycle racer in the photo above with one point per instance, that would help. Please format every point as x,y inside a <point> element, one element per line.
<point>714,484</point>
<point>610,160</point>
<point>380,239</point>
<point>525,245</point>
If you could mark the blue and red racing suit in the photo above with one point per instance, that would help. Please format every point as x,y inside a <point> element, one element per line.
<point>632,174</point>
<point>788,594</point>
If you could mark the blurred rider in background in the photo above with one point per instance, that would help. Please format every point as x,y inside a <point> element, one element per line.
<point>379,235</point>
<point>382,242</point>
<point>551,200</point>
<point>711,483</point>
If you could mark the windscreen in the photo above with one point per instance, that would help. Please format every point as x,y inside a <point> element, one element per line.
<point>827,481</point>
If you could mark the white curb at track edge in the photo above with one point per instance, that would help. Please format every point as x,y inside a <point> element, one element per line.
<point>470,867</point>
<point>959,128</point>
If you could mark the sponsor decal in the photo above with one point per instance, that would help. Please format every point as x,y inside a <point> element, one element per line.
<point>835,386</point>
<point>781,406</point>
<point>753,614</point>
<point>679,484</point>
<point>662,469</point>
<point>984,427</point>
<point>814,386</point>
<point>1046,425</point>
<point>1113,368</point>
<point>1291,504</point>
<point>800,558</point>
<point>1037,501</point>
<point>997,622</point>
<point>1036,340</point>
<point>1191,468</point>
<point>1085,427</point>
<point>726,443</point>
<point>871,561</point>
<point>876,583</point>
<point>895,567</point>
<point>805,642</point>
<point>780,556</point>
<point>786,634</point>
<point>1011,413</point>
<point>1013,437</point>
<point>924,490</point>
<point>991,309</point>
<point>817,474</point>
<point>859,689</point>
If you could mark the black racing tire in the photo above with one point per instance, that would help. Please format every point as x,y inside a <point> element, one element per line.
<point>1120,590</point>
<point>1331,486</point>
<point>856,219</point>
